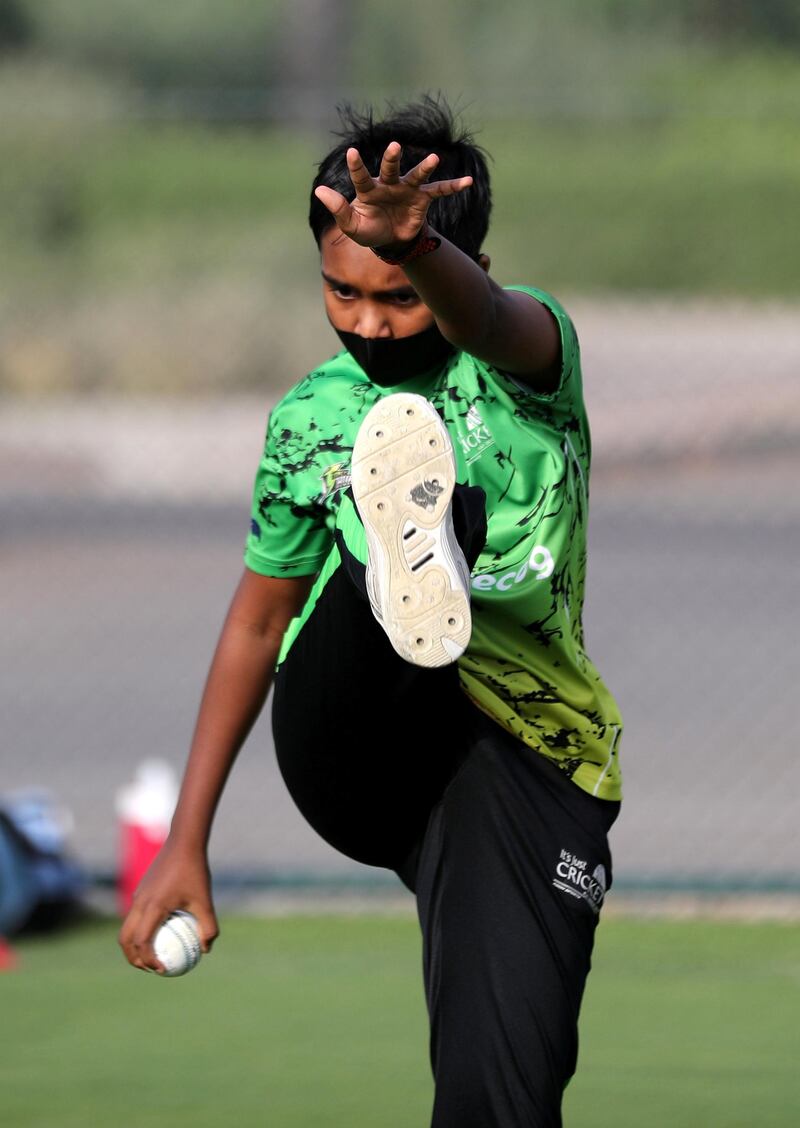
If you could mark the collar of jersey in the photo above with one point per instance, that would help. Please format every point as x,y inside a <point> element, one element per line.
<point>423,385</point>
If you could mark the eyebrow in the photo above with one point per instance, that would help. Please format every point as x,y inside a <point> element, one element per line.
<point>398,292</point>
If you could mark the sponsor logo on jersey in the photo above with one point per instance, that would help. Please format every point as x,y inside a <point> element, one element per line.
<point>539,563</point>
<point>478,437</point>
<point>334,478</point>
<point>573,877</point>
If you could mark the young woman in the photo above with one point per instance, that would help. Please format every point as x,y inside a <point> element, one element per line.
<point>415,570</point>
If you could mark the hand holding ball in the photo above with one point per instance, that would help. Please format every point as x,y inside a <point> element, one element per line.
<point>177,943</point>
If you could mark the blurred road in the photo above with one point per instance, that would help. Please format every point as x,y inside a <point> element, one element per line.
<point>662,380</point>
<point>110,613</point>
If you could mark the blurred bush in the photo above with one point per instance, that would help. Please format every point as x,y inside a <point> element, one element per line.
<point>771,22</point>
<point>16,26</point>
<point>257,57</point>
<point>155,163</point>
<point>186,43</point>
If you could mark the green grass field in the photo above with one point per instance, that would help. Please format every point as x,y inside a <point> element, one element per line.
<point>309,1021</point>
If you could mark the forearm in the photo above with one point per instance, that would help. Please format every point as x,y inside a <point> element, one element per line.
<point>502,327</point>
<point>179,877</point>
<point>458,292</point>
<point>235,691</point>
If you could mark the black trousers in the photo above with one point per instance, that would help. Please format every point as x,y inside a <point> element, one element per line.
<point>395,767</point>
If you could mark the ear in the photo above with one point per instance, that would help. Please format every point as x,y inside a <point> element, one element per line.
<point>484,262</point>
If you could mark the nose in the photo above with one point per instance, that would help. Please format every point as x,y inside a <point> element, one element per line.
<point>373,321</point>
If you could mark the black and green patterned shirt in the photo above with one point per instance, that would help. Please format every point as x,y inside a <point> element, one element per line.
<point>525,665</point>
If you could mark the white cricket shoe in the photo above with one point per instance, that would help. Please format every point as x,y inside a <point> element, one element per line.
<point>403,474</point>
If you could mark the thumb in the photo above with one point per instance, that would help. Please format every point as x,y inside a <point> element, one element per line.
<point>337,205</point>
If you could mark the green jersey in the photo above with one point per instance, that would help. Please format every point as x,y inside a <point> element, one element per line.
<point>526,665</point>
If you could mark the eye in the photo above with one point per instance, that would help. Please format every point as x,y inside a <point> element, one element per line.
<point>405,299</point>
<point>347,293</point>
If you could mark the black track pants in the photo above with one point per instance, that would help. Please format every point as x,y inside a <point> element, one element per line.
<point>393,766</point>
<point>508,890</point>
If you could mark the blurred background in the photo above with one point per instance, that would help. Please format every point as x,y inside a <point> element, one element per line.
<point>158,293</point>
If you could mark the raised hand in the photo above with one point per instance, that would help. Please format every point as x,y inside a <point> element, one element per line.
<point>390,208</point>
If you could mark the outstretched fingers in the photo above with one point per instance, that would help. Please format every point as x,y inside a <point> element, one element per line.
<point>447,187</point>
<point>417,175</point>
<point>359,173</point>
<point>390,164</point>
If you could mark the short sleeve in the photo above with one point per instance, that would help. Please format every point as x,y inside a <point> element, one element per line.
<point>570,350</point>
<point>289,528</point>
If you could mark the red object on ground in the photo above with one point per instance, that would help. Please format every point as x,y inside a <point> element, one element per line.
<point>138,847</point>
<point>144,809</point>
<point>8,957</point>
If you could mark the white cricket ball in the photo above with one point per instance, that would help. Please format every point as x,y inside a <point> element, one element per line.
<point>177,943</point>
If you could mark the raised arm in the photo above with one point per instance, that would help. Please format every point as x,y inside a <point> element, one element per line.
<point>235,691</point>
<point>506,328</point>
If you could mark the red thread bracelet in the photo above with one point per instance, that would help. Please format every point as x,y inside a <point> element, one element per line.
<point>422,244</point>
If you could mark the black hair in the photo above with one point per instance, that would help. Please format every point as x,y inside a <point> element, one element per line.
<point>423,127</point>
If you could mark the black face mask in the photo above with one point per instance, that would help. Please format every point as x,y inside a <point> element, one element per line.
<point>393,360</point>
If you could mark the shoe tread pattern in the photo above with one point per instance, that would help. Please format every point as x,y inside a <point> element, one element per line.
<point>403,475</point>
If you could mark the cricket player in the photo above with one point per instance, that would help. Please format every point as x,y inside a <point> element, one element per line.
<point>413,591</point>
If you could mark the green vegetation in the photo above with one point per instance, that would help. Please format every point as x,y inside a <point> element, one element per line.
<point>305,1022</point>
<point>638,149</point>
<point>249,43</point>
<point>100,224</point>
<point>196,43</point>
<point>690,206</point>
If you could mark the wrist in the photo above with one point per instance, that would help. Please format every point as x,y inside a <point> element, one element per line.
<point>188,838</point>
<point>398,254</point>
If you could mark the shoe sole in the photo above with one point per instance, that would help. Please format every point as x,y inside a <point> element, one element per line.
<point>403,475</point>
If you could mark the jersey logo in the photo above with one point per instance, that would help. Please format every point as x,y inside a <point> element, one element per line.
<point>426,494</point>
<point>540,562</point>
<point>573,877</point>
<point>478,437</point>
<point>334,478</point>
